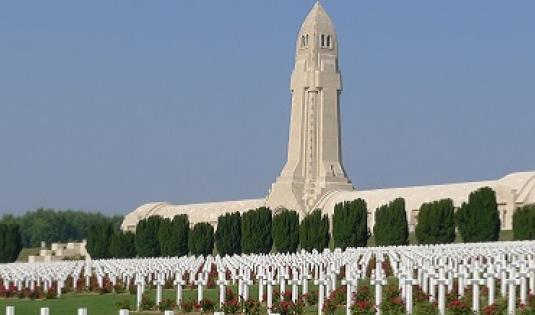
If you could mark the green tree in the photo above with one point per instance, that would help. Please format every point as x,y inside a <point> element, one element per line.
<point>201,239</point>
<point>314,231</point>
<point>165,238</point>
<point>478,219</point>
<point>122,245</point>
<point>10,242</point>
<point>147,242</point>
<point>99,239</point>
<point>524,223</point>
<point>256,231</point>
<point>391,227</point>
<point>50,225</point>
<point>436,224</point>
<point>228,234</point>
<point>350,224</point>
<point>285,231</point>
<point>180,235</point>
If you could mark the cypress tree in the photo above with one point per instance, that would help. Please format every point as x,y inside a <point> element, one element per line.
<point>10,242</point>
<point>147,243</point>
<point>228,234</point>
<point>256,231</point>
<point>478,219</point>
<point>391,227</point>
<point>314,231</point>
<point>524,223</point>
<point>99,239</point>
<point>201,239</point>
<point>3,252</point>
<point>436,224</point>
<point>285,231</point>
<point>122,245</point>
<point>180,235</point>
<point>165,238</point>
<point>350,224</point>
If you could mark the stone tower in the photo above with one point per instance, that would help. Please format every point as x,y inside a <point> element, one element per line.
<point>314,165</point>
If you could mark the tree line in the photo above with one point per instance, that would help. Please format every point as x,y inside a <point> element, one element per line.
<point>262,231</point>
<point>51,225</point>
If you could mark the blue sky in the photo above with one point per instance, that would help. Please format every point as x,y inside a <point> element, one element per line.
<point>105,105</point>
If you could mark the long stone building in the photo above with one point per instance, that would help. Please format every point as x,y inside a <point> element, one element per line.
<point>313,176</point>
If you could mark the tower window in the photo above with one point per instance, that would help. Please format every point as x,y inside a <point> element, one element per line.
<point>326,41</point>
<point>304,40</point>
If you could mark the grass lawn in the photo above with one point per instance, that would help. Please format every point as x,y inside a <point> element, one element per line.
<point>105,304</point>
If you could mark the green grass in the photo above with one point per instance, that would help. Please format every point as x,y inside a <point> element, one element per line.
<point>25,252</point>
<point>106,304</point>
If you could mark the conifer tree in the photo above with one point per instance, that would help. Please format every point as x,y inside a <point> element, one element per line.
<point>436,224</point>
<point>201,239</point>
<point>165,238</point>
<point>10,242</point>
<point>285,231</point>
<point>228,234</point>
<point>256,231</point>
<point>350,224</point>
<point>147,242</point>
<point>391,227</point>
<point>180,235</point>
<point>314,231</point>
<point>99,239</point>
<point>524,223</point>
<point>478,219</point>
<point>122,245</point>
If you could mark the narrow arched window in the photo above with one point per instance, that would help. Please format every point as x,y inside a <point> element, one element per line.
<point>306,40</point>
<point>329,41</point>
<point>303,41</point>
<point>322,40</point>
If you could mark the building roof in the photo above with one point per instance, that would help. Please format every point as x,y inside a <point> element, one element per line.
<point>523,184</point>
<point>200,212</point>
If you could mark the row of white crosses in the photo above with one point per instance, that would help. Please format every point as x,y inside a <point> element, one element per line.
<point>433,268</point>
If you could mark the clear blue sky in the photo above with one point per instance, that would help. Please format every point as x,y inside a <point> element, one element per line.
<point>105,105</point>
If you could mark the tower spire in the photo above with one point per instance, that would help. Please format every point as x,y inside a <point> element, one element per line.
<point>314,165</point>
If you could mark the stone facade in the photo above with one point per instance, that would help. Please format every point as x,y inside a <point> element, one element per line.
<point>313,176</point>
<point>314,165</point>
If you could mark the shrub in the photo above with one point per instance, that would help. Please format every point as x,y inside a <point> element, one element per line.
<point>350,224</point>
<point>252,307</point>
<point>207,305</point>
<point>123,304</point>
<point>311,298</point>
<point>436,224</point>
<point>391,227</point>
<point>147,304</point>
<point>425,308</point>
<point>457,307</point>
<point>231,306</point>
<point>166,305</point>
<point>285,231</point>
<point>363,307</point>
<point>478,220</point>
<point>314,231</point>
